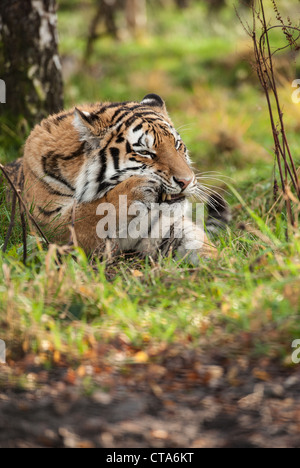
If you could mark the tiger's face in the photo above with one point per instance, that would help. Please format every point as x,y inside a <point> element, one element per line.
<point>133,139</point>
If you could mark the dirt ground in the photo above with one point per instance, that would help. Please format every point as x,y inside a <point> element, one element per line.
<point>187,400</point>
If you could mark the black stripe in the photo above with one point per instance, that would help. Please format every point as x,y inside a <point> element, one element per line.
<point>49,188</point>
<point>123,171</point>
<point>75,154</point>
<point>129,121</point>
<point>115,115</point>
<point>121,118</point>
<point>112,106</point>
<point>59,118</point>
<point>50,212</point>
<point>138,127</point>
<point>93,117</point>
<point>135,116</point>
<point>55,192</point>
<point>116,176</point>
<point>103,186</point>
<point>61,179</point>
<point>86,186</point>
<point>128,147</point>
<point>132,118</point>
<point>101,175</point>
<point>120,139</point>
<point>115,153</point>
<point>50,162</point>
<point>126,109</point>
<point>103,160</point>
<point>50,167</point>
<point>142,113</point>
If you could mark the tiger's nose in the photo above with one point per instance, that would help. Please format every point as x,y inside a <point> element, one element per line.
<point>183,183</point>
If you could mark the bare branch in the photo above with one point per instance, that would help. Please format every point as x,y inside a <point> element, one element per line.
<point>17,193</point>
<point>266,73</point>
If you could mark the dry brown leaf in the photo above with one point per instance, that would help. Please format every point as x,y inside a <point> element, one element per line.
<point>81,371</point>
<point>261,375</point>
<point>71,377</point>
<point>157,390</point>
<point>141,357</point>
<point>137,273</point>
<point>56,356</point>
<point>159,434</point>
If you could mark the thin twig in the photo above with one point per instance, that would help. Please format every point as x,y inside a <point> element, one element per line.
<point>73,238</point>
<point>12,222</point>
<point>16,191</point>
<point>266,74</point>
<point>24,231</point>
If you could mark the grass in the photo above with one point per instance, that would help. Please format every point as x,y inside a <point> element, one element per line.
<point>247,302</point>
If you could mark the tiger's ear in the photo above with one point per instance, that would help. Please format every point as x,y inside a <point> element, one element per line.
<point>87,126</point>
<point>153,100</point>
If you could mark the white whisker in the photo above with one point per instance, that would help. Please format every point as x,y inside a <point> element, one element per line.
<point>211,188</point>
<point>184,127</point>
<point>209,200</point>
<point>213,174</point>
<point>212,179</point>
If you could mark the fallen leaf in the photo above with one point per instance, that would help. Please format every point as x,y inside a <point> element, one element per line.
<point>137,274</point>
<point>232,376</point>
<point>56,356</point>
<point>156,371</point>
<point>160,434</point>
<point>81,371</point>
<point>261,375</point>
<point>87,444</point>
<point>156,390</point>
<point>71,377</point>
<point>141,357</point>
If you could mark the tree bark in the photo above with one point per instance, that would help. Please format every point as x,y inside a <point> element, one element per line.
<point>31,64</point>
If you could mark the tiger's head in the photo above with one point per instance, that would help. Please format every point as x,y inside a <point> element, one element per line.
<point>133,138</point>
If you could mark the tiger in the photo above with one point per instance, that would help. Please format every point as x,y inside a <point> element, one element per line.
<point>80,160</point>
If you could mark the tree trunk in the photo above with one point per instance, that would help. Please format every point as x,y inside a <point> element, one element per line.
<point>136,16</point>
<point>182,3</point>
<point>215,5</point>
<point>106,11</point>
<point>32,69</point>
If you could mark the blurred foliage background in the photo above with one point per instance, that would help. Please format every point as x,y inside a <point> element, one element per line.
<point>197,56</point>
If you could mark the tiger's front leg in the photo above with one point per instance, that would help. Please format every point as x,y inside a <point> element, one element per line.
<point>133,216</point>
<point>152,226</point>
<point>109,217</point>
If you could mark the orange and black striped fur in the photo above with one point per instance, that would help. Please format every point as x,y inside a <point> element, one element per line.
<point>94,154</point>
